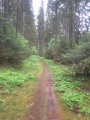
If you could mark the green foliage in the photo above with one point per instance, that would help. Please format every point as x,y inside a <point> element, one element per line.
<point>85,38</point>
<point>13,47</point>
<point>55,51</point>
<point>29,63</point>
<point>11,77</point>
<point>20,83</point>
<point>83,68</point>
<point>48,53</point>
<point>85,110</point>
<point>63,54</point>
<point>75,119</point>
<point>1,102</point>
<point>49,50</point>
<point>34,51</point>
<point>77,54</point>
<point>52,41</point>
<point>73,98</point>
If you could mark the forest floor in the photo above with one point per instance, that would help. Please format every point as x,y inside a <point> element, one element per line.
<point>43,90</point>
<point>45,104</point>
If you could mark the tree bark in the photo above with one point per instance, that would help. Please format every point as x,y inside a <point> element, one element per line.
<point>72,23</point>
<point>6,8</point>
<point>67,22</point>
<point>56,26</point>
<point>41,30</point>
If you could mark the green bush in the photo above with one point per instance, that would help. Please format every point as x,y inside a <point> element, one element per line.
<point>83,68</point>
<point>34,51</point>
<point>77,54</point>
<point>48,53</point>
<point>55,51</point>
<point>11,78</point>
<point>75,98</point>
<point>85,38</point>
<point>13,47</point>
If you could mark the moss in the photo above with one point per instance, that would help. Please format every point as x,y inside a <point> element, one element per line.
<point>16,106</point>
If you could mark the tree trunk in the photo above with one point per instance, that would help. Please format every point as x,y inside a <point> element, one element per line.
<point>67,23</point>
<point>41,31</point>
<point>56,26</point>
<point>72,23</point>
<point>51,25</point>
<point>6,8</point>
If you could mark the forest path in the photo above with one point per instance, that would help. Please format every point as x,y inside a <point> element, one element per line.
<point>45,105</point>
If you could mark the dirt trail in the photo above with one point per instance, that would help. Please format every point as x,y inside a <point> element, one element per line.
<point>45,104</point>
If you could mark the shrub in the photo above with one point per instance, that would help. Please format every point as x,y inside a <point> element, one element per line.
<point>34,51</point>
<point>13,47</point>
<point>48,53</point>
<point>11,78</point>
<point>77,54</point>
<point>83,68</point>
<point>85,38</point>
<point>67,87</point>
<point>55,51</point>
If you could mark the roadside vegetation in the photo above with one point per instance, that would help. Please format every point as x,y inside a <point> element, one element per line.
<point>71,75</point>
<point>78,56</point>
<point>70,90</point>
<point>17,88</point>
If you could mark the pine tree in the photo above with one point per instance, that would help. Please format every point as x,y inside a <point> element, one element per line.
<point>41,29</point>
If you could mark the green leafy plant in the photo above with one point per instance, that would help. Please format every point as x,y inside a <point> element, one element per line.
<point>83,68</point>
<point>55,51</point>
<point>11,77</point>
<point>1,101</point>
<point>14,48</point>
<point>73,98</point>
<point>77,54</point>
<point>34,51</point>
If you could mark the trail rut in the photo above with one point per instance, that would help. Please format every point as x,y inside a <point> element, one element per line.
<point>45,104</point>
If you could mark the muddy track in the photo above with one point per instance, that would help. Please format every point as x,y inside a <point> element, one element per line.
<point>45,105</point>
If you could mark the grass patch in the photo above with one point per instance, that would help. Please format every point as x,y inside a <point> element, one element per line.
<point>10,77</point>
<point>17,87</point>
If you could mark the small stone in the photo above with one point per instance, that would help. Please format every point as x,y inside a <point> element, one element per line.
<point>18,115</point>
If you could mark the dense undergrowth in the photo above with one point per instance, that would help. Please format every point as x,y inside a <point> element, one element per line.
<point>79,54</point>
<point>68,86</point>
<point>17,86</point>
<point>13,46</point>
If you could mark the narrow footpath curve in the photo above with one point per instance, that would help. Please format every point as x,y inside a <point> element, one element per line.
<point>45,104</point>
